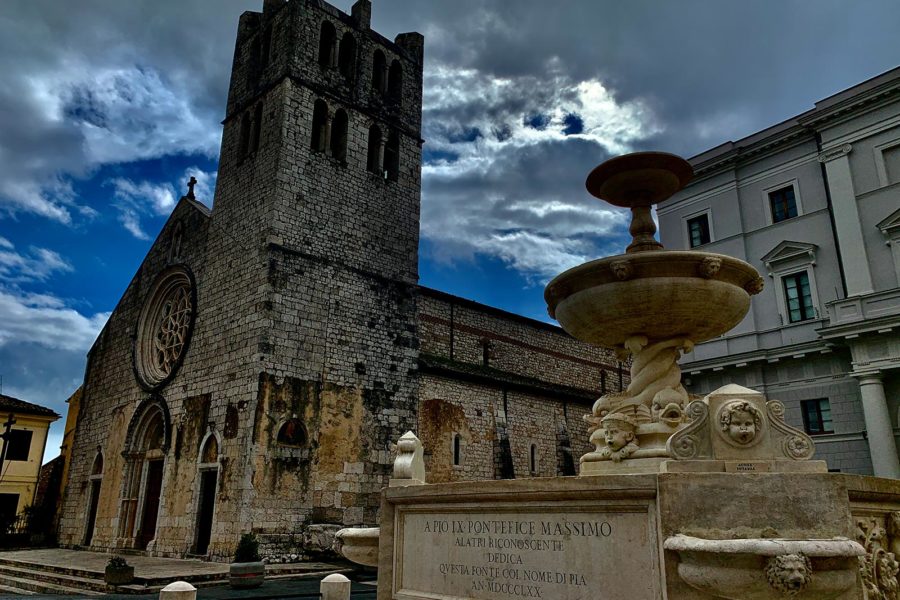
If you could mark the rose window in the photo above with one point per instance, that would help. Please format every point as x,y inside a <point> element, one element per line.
<point>164,328</point>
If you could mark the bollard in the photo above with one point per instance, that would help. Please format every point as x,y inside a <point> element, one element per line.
<point>178,590</point>
<point>335,587</point>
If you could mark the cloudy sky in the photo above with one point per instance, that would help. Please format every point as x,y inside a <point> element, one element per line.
<point>108,106</point>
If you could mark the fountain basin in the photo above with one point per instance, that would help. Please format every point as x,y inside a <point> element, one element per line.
<point>358,544</point>
<point>751,569</point>
<point>607,301</point>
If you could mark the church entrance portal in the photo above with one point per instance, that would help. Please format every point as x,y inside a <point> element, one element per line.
<point>146,448</point>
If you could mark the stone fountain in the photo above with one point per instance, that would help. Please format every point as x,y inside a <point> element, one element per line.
<point>684,497</point>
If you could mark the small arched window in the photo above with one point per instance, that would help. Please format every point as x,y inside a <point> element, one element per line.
<point>319,126</point>
<point>533,458</point>
<point>457,450</point>
<point>210,452</point>
<point>97,467</point>
<point>373,154</point>
<point>347,56</point>
<point>292,433</point>
<point>257,127</point>
<point>327,40</point>
<point>392,157</point>
<point>395,82</point>
<point>244,144</point>
<point>339,135</point>
<point>378,67</point>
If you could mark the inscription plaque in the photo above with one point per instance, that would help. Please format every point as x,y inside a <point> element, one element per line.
<point>576,554</point>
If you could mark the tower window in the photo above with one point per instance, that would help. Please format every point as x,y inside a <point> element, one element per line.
<point>378,67</point>
<point>392,157</point>
<point>244,145</point>
<point>265,48</point>
<point>533,459</point>
<point>457,450</point>
<point>373,154</point>
<point>339,135</point>
<point>395,82</point>
<point>319,126</point>
<point>327,42</point>
<point>798,296</point>
<point>347,56</point>
<point>784,204</point>
<point>257,127</point>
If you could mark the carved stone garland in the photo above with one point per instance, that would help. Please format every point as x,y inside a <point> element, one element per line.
<point>879,567</point>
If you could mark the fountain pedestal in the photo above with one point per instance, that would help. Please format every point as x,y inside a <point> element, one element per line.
<point>683,498</point>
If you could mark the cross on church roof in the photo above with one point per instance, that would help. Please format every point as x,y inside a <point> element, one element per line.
<point>191,183</point>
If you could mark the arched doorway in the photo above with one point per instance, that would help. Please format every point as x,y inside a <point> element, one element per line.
<point>146,446</point>
<point>208,479</point>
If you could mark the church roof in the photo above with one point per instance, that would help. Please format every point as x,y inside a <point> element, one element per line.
<point>9,404</point>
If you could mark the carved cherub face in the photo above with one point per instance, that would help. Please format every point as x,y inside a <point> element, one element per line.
<point>616,435</point>
<point>742,428</point>
<point>740,421</point>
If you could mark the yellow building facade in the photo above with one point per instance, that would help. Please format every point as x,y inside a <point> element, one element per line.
<point>24,443</point>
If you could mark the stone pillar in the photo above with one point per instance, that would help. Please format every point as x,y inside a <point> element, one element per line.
<point>879,426</point>
<point>846,220</point>
<point>335,587</point>
<point>178,590</point>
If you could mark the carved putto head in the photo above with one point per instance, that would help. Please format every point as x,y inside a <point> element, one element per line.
<point>788,573</point>
<point>740,421</point>
<point>619,430</point>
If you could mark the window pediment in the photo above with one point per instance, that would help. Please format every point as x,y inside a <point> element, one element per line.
<point>890,226</point>
<point>788,254</point>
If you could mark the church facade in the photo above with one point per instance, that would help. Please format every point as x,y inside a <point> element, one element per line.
<point>269,351</point>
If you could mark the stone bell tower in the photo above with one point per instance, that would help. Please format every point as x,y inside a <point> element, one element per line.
<point>315,232</point>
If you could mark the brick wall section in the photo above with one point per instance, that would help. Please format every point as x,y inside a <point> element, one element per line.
<point>448,407</point>
<point>517,344</point>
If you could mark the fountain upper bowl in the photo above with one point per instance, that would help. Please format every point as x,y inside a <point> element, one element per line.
<point>659,294</point>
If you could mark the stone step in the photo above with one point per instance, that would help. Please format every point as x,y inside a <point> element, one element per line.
<point>44,587</point>
<point>143,582</point>
<point>21,564</point>
<point>16,591</point>
<point>42,575</point>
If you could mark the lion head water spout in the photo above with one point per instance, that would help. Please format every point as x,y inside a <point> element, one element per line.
<point>650,303</point>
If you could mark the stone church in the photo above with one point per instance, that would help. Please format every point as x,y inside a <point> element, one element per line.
<point>269,351</point>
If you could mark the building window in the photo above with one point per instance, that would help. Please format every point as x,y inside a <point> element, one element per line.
<point>373,154</point>
<point>9,506</point>
<point>18,444</point>
<point>395,82</point>
<point>379,64</point>
<point>698,230</point>
<point>817,416</point>
<point>347,56</point>
<point>339,135</point>
<point>798,297</point>
<point>327,42</point>
<point>319,125</point>
<point>457,450</point>
<point>532,459</point>
<point>392,157</point>
<point>783,203</point>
